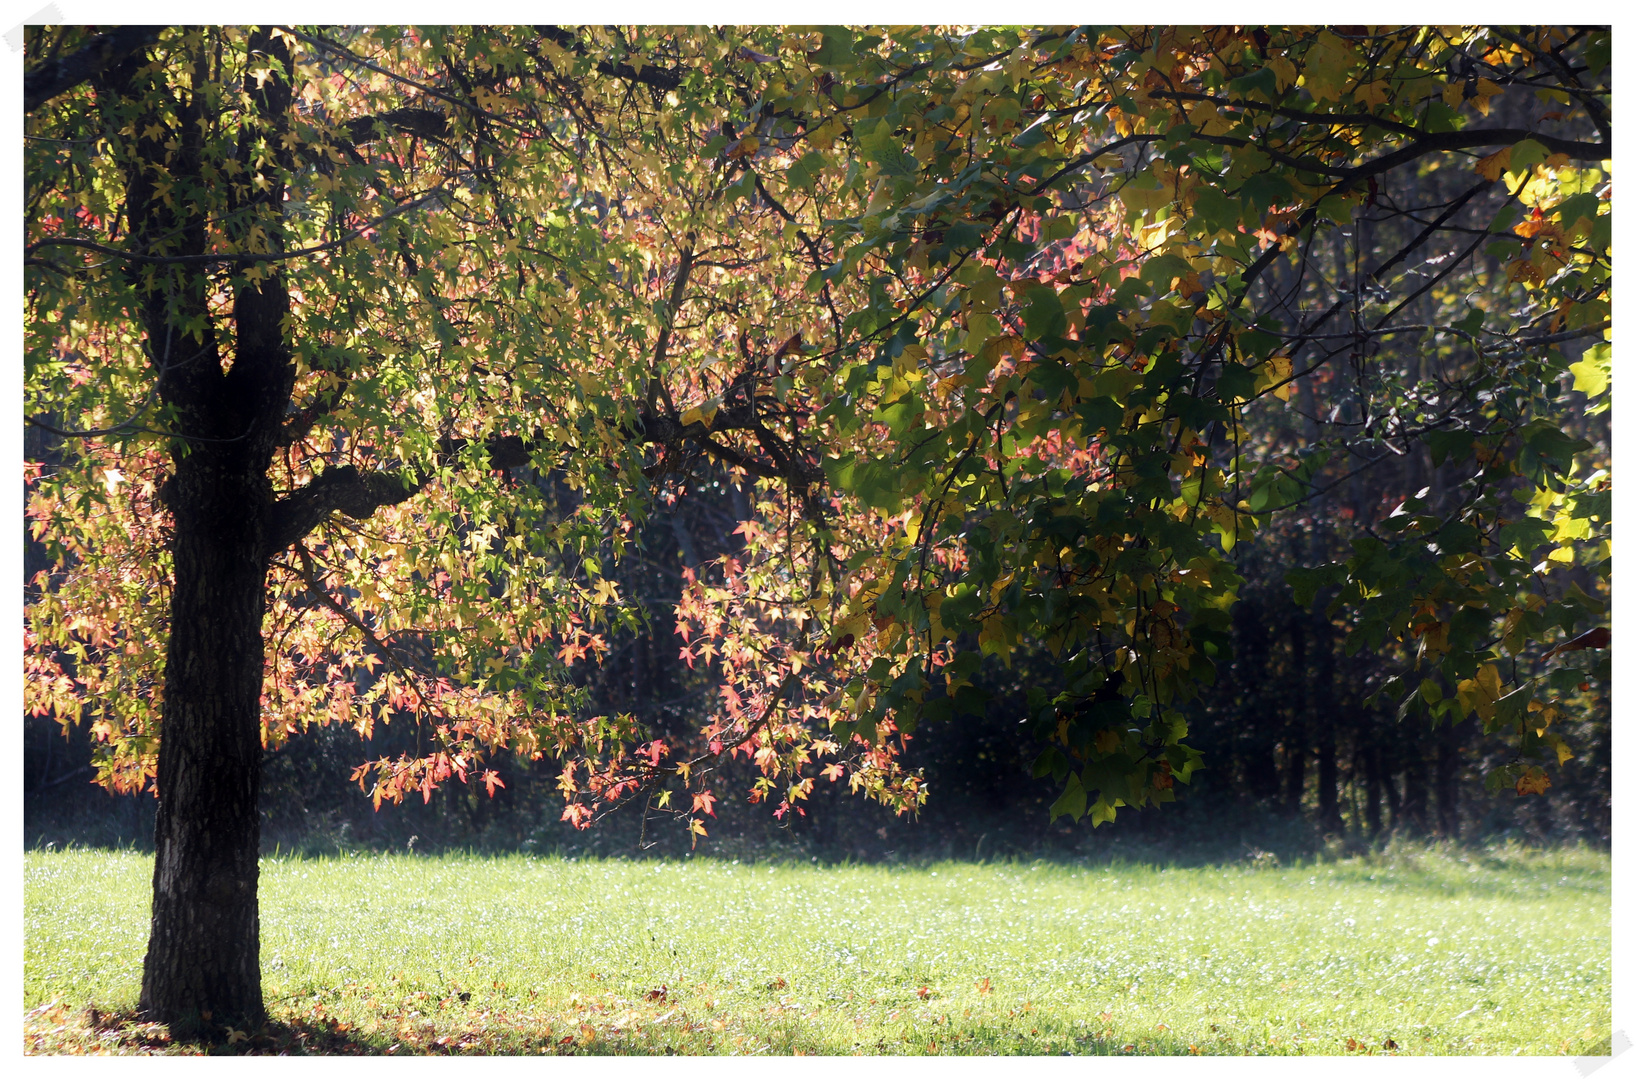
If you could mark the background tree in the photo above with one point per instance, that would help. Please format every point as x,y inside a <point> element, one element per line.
<point>983,328</point>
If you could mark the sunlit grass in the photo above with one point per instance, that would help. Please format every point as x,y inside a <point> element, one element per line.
<point>1422,951</point>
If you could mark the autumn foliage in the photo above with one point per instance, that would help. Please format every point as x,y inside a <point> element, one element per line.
<point>992,324</point>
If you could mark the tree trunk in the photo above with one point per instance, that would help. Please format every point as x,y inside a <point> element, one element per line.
<point>1446,785</point>
<point>1295,740</point>
<point>1324,702</point>
<point>1371,790</point>
<point>202,968</point>
<point>1329,805</point>
<point>1387,766</point>
<point>1414,791</point>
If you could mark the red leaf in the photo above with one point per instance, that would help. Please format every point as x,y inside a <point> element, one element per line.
<point>1598,638</point>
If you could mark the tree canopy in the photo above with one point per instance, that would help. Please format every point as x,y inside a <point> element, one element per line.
<point>1012,335</point>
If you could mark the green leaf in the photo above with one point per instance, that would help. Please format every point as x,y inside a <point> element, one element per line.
<point>1071,802</point>
<point>1032,135</point>
<point>805,172</point>
<point>1593,373</point>
<point>882,147</point>
<point>1101,812</point>
<point>1448,445</point>
<point>1101,413</point>
<point>1043,316</point>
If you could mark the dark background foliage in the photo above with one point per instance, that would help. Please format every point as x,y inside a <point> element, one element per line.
<point>1296,756</point>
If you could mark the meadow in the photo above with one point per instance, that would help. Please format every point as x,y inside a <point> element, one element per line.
<point>1417,950</point>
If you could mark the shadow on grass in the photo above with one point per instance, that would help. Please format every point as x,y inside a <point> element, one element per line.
<point>55,1028</point>
<point>58,1029</point>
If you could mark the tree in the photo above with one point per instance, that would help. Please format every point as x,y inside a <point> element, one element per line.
<point>374,350</point>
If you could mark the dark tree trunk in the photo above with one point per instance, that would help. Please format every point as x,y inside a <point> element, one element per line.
<point>1324,704</point>
<point>1371,790</point>
<point>202,968</point>
<point>1295,741</point>
<point>1446,784</point>
<point>1414,791</point>
<point>1329,804</point>
<point>1394,800</point>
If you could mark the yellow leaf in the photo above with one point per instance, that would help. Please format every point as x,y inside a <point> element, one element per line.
<point>1276,370</point>
<point>1494,164</point>
<point>1515,639</point>
<point>1488,680</point>
<point>701,414</point>
<point>934,607</point>
<point>995,638</point>
<point>1532,782</point>
<point>1374,93</point>
<point>1284,70</point>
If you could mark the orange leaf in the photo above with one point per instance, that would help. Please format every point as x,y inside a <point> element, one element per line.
<point>1494,164</point>
<point>1532,782</point>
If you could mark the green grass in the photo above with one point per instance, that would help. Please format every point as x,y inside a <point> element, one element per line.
<point>1420,951</point>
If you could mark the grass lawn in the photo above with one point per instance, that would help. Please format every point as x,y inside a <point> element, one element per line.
<point>1419,951</point>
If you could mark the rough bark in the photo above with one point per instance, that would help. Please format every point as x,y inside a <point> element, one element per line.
<point>202,969</point>
<point>203,963</point>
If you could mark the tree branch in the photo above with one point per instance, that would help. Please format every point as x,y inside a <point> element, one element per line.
<point>94,57</point>
<point>658,78</point>
<point>238,259</point>
<point>358,494</point>
<point>347,488</point>
<point>424,123</point>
